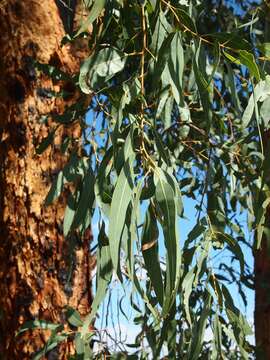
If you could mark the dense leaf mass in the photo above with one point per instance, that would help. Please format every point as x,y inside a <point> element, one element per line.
<point>174,103</point>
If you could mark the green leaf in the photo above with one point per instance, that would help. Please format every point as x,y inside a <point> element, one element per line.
<point>217,339</point>
<point>237,320</point>
<point>162,59</point>
<point>150,253</point>
<point>70,173</point>
<point>230,83</point>
<point>162,29</point>
<point>249,61</point>
<point>199,333</point>
<point>104,275</point>
<point>176,68</point>
<point>101,188</point>
<point>187,289</point>
<point>51,344</point>
<point>265,112</point>
<point>95,11</point>
<point>109,62</point>
<point>264,48</point>
<point>38,324</point>
<point>235,248</point>
<point>69,214</point>
<point>164,153</point>
<point>186,21</point>
<point>84,208</point>
<point>121,198</point>
<point>260,223</point>
<point>73,317</point>
<point>56,189</point>
<point>260,93</point>
<point>232,58</point>
<point>229,40</point>
<point>82,347</point>
<point>104,64</point>
<point>52,71</point>
<point>45,143</point>
<point>166,200</point>
<point>134,220</point>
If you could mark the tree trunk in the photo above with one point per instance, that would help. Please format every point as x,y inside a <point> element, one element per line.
<point>262,257</point>
<point>262,301</point>
<point>262,286</point>
<point>35,261</point>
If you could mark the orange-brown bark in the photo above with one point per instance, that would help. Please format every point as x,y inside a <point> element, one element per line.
<point>35,262</point>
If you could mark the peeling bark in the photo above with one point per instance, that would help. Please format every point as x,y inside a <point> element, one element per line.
<point>34,258</point>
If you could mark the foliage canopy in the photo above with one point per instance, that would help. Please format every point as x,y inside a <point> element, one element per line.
<point>179,101</point>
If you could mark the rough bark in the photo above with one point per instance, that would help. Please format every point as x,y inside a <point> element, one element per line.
<point>262,258</point>
<point>262,287</point>
<point>262,300</point>
<point>35,261</point>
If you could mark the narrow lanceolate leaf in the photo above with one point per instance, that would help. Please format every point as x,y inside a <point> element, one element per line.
<point>163,56</point>
<point>163,151</point>
<point>86,199</point>
<point>69,214</point>
<point>102,65</point>
<point>185,21</point>
<point>51,344</point>
<point>217,339</point>
<point>199,333</point>
<point>56,188</point>
<point>176,67</point>
<point>104,275</point>
<point>150,253</point>
<point>68,174</point>
<point>166,200</point>
<point>239,324</point>
<point>187,289</point>
<point>45,142</point>
<point>260,93</point>
<point>121,198</point>
<point>38,324</point>
<point>94,14</point>
<point>249,61</point>
<point>73,317</point>
<point>134,221</point>
<point>84,80</point>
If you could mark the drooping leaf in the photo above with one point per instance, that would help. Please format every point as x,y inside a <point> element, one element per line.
<point>150,253</point>
<point>120,201</point>
<point>248,60</point>
<point>38,324</point>
<point>163,57</point>
<point>199,333</point>
<point>105,64</point>
<point>69,214</point>
<point>261,92</point>
<point>73,317</point>
<point>95,11</point>
<point>46,142</point>
<point>165,197</point>
<point>83,210</point>
<point>104,276</point>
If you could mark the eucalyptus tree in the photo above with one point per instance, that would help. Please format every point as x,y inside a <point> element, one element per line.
<point>36,276</point>
<point>178,96</point>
